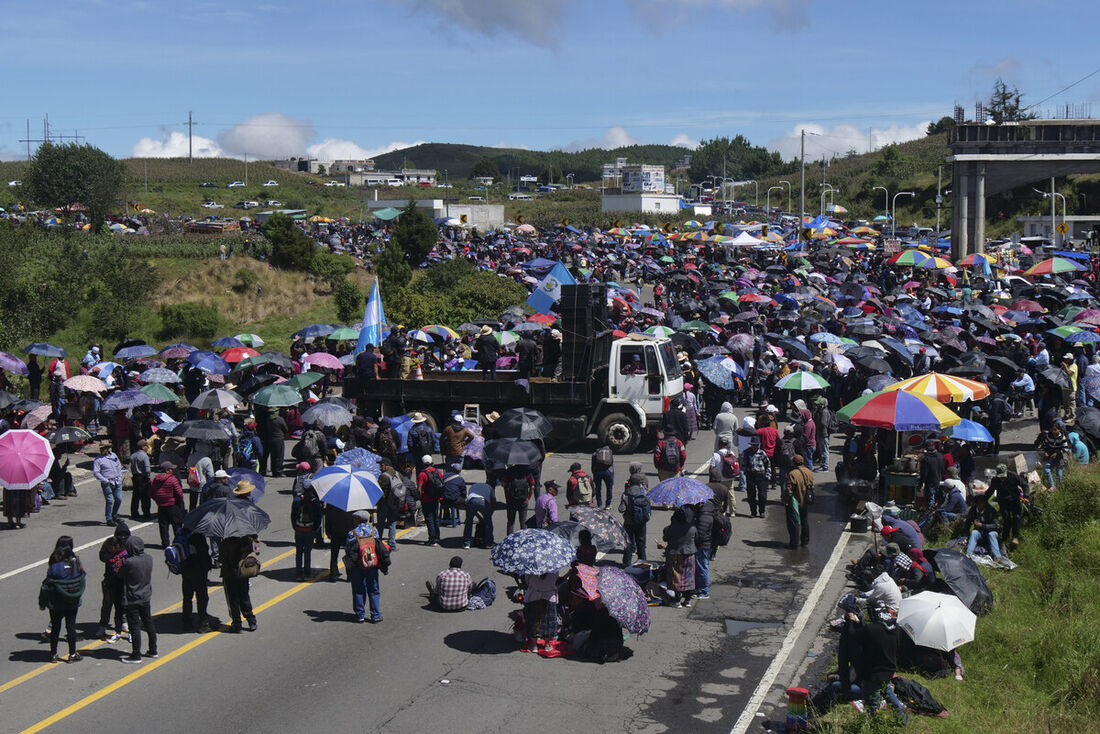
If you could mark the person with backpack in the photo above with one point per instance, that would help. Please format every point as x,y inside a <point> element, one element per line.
<point>248,449</point>
<point>429,482</point>
<point>305,518</point>
<point>756,468</point>
<point>669,457</point>
<point>704,548</point>
<point>603,474</point>
<point>236,571</point>
<point>61,593</point>
<point>519,483</point>
<point>194,568</point>
<point>386,440</point>
<point>112,553</point>
<point>785,449</point>
<point>578,488</point>
<point>724,467</point>
<point>311,448</point>
<point>136,573</point>
<point>636,511</point>
<point>365,554</point>
<point>421,440</point>
<point>199,473</point>
<point>454,496</point>
<point>797,492</point>
<point>166,492</point>
<point>393,500</point>
<point>338,523</point>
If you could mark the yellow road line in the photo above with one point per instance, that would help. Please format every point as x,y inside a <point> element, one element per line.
<point>99,643</point>
<point>150,666</point>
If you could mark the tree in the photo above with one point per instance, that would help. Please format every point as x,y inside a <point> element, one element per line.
<point>394,272</point>
<point>331,268</point>
<point>120,287</point>
<point>944,124</point>
<point>321,171</point>
<point>550,174</point>
<point>349,301</point>
<point>1004,104</point>
<point>291,248</point>
<point>61,176</point>
<point>415,234</point>
<point>485,168</point>
<point>741,159</point>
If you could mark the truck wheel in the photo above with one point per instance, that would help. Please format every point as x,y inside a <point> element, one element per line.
<point>620,433</point>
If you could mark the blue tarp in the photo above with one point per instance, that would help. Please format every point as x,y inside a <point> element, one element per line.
<point>1071,254</point>
<point>540,266</point>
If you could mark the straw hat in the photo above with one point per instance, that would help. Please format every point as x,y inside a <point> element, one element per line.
<point>417,417</point>
<point>244,487</point>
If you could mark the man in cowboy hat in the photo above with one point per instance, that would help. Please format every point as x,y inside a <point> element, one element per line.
<point>487,350</point>
<point>244,489</point>
<point>421,439</point>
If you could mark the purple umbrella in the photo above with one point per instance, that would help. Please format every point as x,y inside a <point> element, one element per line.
<point>12,364</point>
<point>680,491</point>
<point>624,599</point>
<point>126,399</point>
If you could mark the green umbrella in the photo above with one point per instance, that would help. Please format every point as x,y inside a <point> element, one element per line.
<point>277,396</point>
<point>250,340</point>
<point>159,393</point>
<point>304,380</point>
<point>665,259</point>
<point>693,326</point>
<point>249,362</point>
<point>342,335</point>
<point>802,381</point>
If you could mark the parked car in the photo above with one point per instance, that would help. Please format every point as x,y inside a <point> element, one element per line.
<point>271,182</point>
<point>212,205</point>
<point>335,183</point>
<point>476,198</point>
<point>207,185</point>
<point>15,183</point>
<point>273,202</point>
<point>247,205</point>
<point>519,197</point>
<point>235,185</point>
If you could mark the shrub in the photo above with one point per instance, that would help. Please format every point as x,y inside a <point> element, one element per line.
<point>331,268</point>
<point>349,301</point>
<point>244,279</point>
<point>291,248</point>
<point>188,319</point>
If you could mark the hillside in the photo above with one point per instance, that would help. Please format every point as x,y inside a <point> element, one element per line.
<point>585,165</point>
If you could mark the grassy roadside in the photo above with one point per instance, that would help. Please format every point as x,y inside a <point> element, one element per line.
<point>1034,665</point>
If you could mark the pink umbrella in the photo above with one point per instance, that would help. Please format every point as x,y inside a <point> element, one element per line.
<point>85,383</point>
<point>37,417</point>
<point>324,359</point>
<point>25,459</point>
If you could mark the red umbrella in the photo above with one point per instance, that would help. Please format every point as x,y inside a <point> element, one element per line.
<point>1026,305</point>
<point>542,318</point>
<point>25,459</point>
<point>236,354</point>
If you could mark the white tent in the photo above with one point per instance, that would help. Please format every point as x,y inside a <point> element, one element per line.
<point>745,240</point>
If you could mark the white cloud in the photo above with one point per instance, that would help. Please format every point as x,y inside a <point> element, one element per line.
<point>615,137</point>
<point>839,139</point>
<point>533,21</point>
<point>331,149</point>
<point>174,145</point>
<point>1006,66</point>
<point>684,141</point>
<point>270,135</point>
<point>786,14</point>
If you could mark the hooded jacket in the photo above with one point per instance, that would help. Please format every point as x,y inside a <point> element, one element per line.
<point>725,426</point>
<point>745,433</point>
<point>136,573</point>
<point>809,428</point>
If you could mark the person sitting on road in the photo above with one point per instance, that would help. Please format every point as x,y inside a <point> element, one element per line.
<point>451,592</point>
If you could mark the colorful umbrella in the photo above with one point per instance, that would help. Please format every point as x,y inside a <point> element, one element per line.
<point>250,340</point>
<point>347,487</point>
<point>1053,266</point>
<point>802,381</point>
<point>533,551</point>
<point>680,491</point>
<point>944,388</point>
<point>25,459</point>
<point>897,410</point>
<point>624,599</point>
<point>506,338</point>
<point>911,258</point>
<point>660,331</point>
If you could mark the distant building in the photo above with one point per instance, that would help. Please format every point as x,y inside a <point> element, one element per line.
<point>655,202</point>
<point>1081,227</point>
<point>301,165</point>
<point>482,216</point>
<point>639,178</point>
<point>359,166</point>
<point>404,177</point>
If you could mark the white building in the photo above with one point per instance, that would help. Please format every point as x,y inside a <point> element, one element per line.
<point>482,216</point>
<point>640,178</point>
<point>657,202</point>
<point>359,166</point>
<point>1079,225</point>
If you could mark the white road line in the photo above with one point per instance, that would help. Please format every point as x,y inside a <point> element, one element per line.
<point>36,564</point>
<point>762,689</point>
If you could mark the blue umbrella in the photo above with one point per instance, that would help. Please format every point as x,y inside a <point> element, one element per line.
<point>135,352</point>
<point>716,372</point>
<point>533,551</point>
<point>104,368</point>
<point>825,336</point>
<point>126,399</point>
<point>968,430</point>
<point>241,474</point>
<point>360,458</point>
<point>198,355</point>
<point>346,487</point>
<point>210,363</point>
<point>42,349</point>
<point>227,341</point>
<point>1083,337</point>
<point>162,375</point>
<point>680,491</point>
<point>315,330</point>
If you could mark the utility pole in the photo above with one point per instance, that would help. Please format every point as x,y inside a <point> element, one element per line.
<point>190,122</point>
<point>802,190</point>
<point>1053,215</point>
<point>939,198</point>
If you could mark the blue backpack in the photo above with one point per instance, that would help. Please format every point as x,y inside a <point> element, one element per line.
<point>178,552</point>
<point>245,451</point>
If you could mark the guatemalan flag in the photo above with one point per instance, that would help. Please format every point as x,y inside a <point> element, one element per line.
<point>548,291</point>
<point>374,318</point>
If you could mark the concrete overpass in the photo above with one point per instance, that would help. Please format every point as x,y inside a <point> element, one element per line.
<point>991,159</point>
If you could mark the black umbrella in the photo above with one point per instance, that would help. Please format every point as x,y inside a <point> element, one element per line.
<point>963,578</point>
<point>505,452</point>
<point>712,350</point>
<point>862,352</point>
<point>1002,364</point>
<point>487,322</point>
<point>864,330</point>
<point>794,349</point>
<point>226,517</point>
<point>202,430</point>
<point>522,423</point>
<point>1088,420</point>
<point>874,364</point>
<point>68,434</point>
<point>1057,376</point>
<point>685,342</point>
<point>255,382</point>
<point>26,405</point>
<point>278,359</point>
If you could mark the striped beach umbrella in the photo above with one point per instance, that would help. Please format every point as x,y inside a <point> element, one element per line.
<point>897,410</point>
<point>802,381</point>
<point>944,388</point>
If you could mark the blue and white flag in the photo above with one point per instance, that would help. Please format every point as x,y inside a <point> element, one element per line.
<point>374,317</point>
<point>548,291</point>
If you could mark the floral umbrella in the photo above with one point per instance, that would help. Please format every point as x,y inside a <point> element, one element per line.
<point>607,532</point>
<point>624,599</point>
<point>533,551</point>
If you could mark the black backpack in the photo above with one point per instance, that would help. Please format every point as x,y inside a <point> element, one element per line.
<point>436,488</point>
<point>517,489</point>
<point>603,458</point>
<point>670,455</point>
<point>721,530</point>
<point>638,509</point>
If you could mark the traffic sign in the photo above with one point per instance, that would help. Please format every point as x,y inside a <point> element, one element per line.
<point>1062,228</point>
<point>519,219</point>
<point>565,222</point>
<point>806,234</point>
<point>618,223</point>
<point>764,231</point>
<point>463,218</point>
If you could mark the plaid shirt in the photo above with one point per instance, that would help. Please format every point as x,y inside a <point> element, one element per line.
<point>452,589</point>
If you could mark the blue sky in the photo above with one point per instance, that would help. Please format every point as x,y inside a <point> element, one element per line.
<point>334,78</point>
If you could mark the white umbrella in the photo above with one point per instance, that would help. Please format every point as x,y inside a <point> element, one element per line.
<point>939,621</point>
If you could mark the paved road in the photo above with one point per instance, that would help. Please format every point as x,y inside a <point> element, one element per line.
<point>309,666</point>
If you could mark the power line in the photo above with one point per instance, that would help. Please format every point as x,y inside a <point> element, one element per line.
<point>1063,89</point>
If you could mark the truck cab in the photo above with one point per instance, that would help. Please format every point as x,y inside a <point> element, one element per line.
<point>642,375</point>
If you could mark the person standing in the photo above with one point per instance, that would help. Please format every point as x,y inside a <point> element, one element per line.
<point>420,441</point>
<point>704,547</point>
<point>166,492</point>
<point>800,483</point>
<point>431,486</point>
<point>669,457</point>
<point>932,468</point>
<point>248,449</point>
<point>137,591</point>
<point>526,351</point>
<point>518,483</point>
<point>546,505</point>
<point>231,554</point>
<point>551,354</point>
<point>276,448</point>
<point>487,350</point>
<point>636,511</point>
<point>453,441</point>
<point>107,469</point>
<point>756,468</point>
<point>725,426</point>
<point>578,488</point>
<point>603,474</point>
<point>112,553</point>
<point>679,536</point>
<point>389,509</point>
<point>200,472</point>
<point>338,523</point>
<point>34,377</point>
<point>61,593</point>
<point>365,554</point>
<point>305,518</point>
<point>141,474</point>
<point>194,583</point>
<point>826,424</point>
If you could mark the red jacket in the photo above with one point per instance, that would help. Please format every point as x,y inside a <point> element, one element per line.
<point>165,490</point>
<point>427,494</point>
<point>661,449</point>
<point>769,437</point>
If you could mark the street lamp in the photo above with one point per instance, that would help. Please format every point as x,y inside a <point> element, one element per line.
<point>887,204</point>
<point>788,183</point>
<point>825,189</point>
<point>768,198</point>
<point>1053,227</point>
<point>893,215</point>
<point>569,176</point>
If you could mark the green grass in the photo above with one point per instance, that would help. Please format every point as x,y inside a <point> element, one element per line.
<point>1034,665</point>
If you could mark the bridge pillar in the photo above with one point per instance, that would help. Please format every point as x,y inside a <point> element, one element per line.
<point>960,231</point>
<point>978,244</point>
